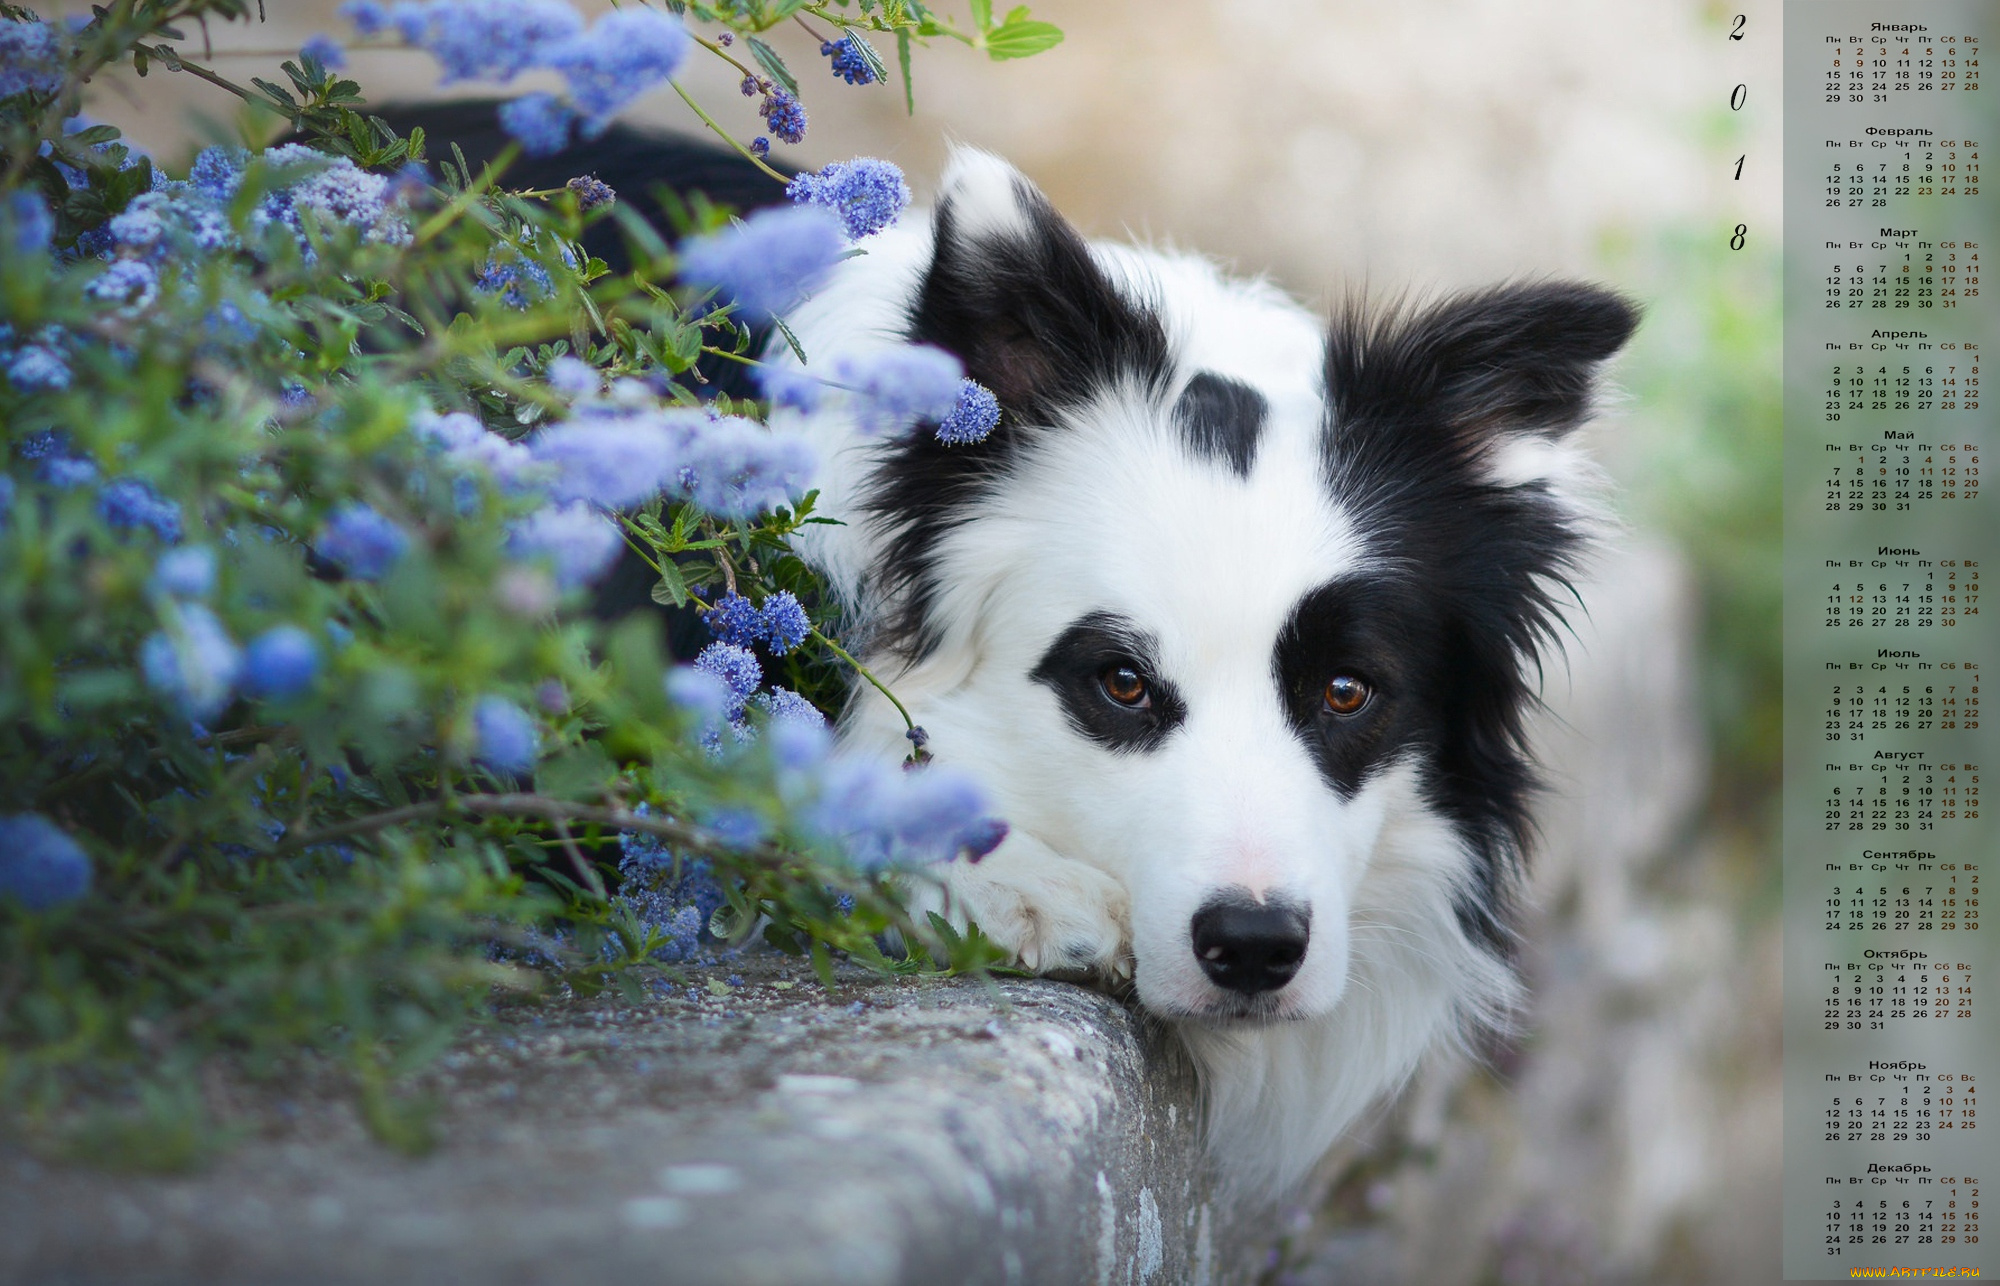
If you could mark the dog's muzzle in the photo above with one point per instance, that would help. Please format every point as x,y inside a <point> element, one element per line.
<point>1250,947</point>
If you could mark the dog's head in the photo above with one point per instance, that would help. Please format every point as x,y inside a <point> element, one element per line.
<point>1240,607</point>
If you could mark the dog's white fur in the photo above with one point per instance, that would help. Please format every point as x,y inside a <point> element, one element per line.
<point>1110,855</point>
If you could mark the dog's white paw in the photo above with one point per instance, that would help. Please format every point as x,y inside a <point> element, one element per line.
<point>1054,914</point>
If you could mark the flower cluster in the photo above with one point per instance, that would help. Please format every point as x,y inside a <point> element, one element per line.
<point>40,865</point>
<point>781,624</point>
<point>976,414</point>
<point>866,193</point>
<point>620,56</point>
<point>770,262</point>
<point>31,59</point>
<point>849,63</point>
<point>875,814</point>
<point>303,522</point>
<point>784,114</point>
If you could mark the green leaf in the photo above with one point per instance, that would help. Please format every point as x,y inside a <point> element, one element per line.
<point>582,773</point>
<point>868,55</point>
<point>768,59</point>
<point>671,589</point>
<point>798,349</point>
<point>1022,39</point>
<point>982,15</point>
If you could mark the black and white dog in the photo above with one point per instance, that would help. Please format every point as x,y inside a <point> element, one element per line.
<point>1237,615</point>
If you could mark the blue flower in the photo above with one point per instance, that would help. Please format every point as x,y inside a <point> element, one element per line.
<point>608,458</point>
<point>504,736</point>
<point>40,865</point>
<point>770,262</point>
<point>130,502</point>
<point>736,468</point>
<point>30,58</point>
<point>789,386</point>
<point>673,893</point>
<point>361,542</point>
<point>218,172</point>
<point>591,192</point>
<point>868,194</point>
<point>784,623</point>
<point>571,376</point>
<point>787,706</point>
<point>192,663</point>
<point>325,50</point>
<point>187,572</point>
<point>760,147</point>
<point>519,282</point>
<point>56,461</point>
<point>37,368</point>
<point>128,282</point>
<point>737,668</point>
<point>484,39</point>
<point>625,53</point>
<point>467,443</point>
<point>26,224</point>
<point>540,121</point>
<point>701,693</point>
<point>580,540</point>
<point>784,114</point>
<point>370,17</point>
<point>280,662</point>
<point>333,189</point>
<point>898,385</point>
<point>848,63</point>
<point>883,816</point>
<point>798,736</point>
<point>737,828</point>
<point>975,416</point>
<point>734,620</point>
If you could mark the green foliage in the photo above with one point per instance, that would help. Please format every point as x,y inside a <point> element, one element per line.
<point>1707,470</point>
<point>339,866</point>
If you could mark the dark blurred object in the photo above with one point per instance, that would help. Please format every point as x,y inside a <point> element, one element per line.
<point>636,165</point>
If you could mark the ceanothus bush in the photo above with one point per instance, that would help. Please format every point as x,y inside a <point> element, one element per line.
<point>313,453</point>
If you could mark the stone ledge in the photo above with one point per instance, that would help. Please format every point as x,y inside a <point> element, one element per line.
<point>893,1131</point>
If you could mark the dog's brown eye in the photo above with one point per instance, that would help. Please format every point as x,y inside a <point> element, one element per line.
<point>1346,694</point>
<point>1126,686</point>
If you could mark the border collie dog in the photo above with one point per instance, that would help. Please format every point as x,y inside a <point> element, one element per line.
<point>1235,615</point>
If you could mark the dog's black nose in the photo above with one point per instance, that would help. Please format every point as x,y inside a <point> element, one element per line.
<point>1247,947</point>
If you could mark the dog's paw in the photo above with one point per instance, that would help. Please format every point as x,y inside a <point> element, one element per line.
<point>1057,916</point>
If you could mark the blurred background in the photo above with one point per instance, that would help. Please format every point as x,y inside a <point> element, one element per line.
<point>1629,1131</point>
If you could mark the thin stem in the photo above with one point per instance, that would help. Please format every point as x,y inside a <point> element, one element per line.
<point>725,56</point>
<point>725,135</point>
<point>584,870</point>
<point>863,671</point>
<point>521,804</point>
<point>175,62</point>
<point>489,174</point>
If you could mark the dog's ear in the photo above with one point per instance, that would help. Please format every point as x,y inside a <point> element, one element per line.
<point>1015,293</point>
<point>1476,368</point>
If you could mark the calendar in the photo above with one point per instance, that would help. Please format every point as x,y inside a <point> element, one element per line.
<point>1889,540</point>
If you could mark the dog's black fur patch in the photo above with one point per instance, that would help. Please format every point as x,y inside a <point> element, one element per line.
<point>1415,403</point>
<point>1033,319</point>
<point>1372,628</point>
<point>1221,418</point>
<point>1072,664</point>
